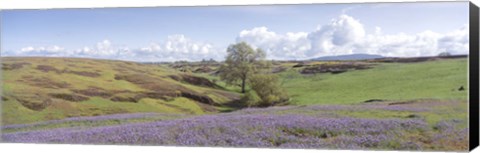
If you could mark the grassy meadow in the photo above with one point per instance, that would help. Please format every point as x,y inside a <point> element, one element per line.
<point>387,105</point>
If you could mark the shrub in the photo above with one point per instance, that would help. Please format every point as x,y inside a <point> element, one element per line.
<point>268,89</point>
<point>251,99</point>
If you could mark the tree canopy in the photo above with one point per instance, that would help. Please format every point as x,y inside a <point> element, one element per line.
<point>242,62</point>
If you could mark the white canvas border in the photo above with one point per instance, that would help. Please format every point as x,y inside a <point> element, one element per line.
<point>54,148</point>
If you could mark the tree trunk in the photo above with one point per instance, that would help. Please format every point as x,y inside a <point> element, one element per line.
<point>243,85</point>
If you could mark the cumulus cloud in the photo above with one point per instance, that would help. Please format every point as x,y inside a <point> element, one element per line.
<point>175,47</point>
<point>39,51</point>
<point>277,46</point>
<point>178,47</point>
<point>347,35</point>
<point>342,35</point>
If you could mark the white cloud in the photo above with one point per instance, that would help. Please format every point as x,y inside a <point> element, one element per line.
<point>175,47</point>
<point>346,35</point>
<point>277,46</point>
<point>41,51</point>
<point>342,35</point>
<point>178,47</point>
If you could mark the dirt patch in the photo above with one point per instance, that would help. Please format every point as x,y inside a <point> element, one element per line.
<point>44,82</point>
<point>68,97</point>
<point>94,92</point>
<point>34,102</point>
<point>14,66</point>
<point>335,68</point>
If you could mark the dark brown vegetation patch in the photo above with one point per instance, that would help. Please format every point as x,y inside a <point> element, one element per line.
<point>4,98</point>
<point>84,73</point>
<point>48,68</point>
<point>69,97</point>
<point>414,116</point>
<point>161,89</point>
<point>44,82</point>
<point>160,95</point>
<point>299,65</point>
<point>230,95</point>
<point>194,80</point>
<point>199,98</point>
<point>279,69</point>
<point>150,83</point>
<point>14,66</point>
<point>203,69</point>
<point>374,100</point>
<point>133,99</point>
<point>335,68</point>
<point>127,68</point>
<point>94,91</point>
<point>402,103</point>
<point>34,102</point>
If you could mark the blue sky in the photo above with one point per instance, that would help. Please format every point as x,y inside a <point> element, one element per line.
<point>193,33</point>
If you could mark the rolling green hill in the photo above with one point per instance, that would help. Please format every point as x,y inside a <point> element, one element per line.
<point>438,79</point>
<point>39,89</point>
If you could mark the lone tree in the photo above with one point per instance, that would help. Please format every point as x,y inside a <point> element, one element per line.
<point>444,54</point>
<point>241,62</point>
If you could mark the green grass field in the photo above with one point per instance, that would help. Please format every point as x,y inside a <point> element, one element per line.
<point>399,81</point>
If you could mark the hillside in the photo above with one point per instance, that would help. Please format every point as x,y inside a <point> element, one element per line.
<point>402,104</point>
<point>347,57</point>
<point>439,79</point>
<point>39,89</point>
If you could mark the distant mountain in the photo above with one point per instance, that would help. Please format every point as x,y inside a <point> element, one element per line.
<point>347,57</point>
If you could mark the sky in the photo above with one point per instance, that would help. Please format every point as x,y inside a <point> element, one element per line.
<point>285,32</point>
